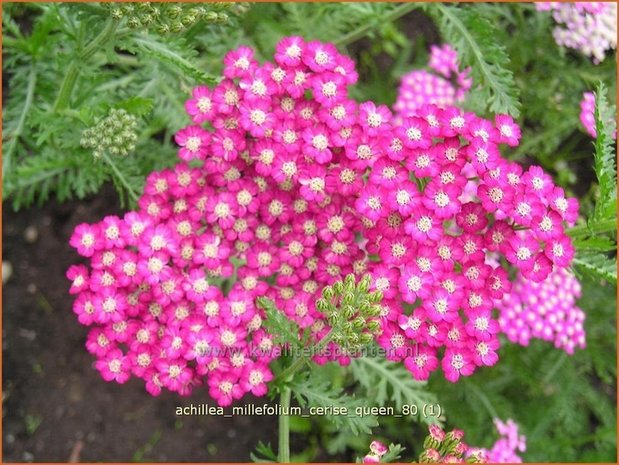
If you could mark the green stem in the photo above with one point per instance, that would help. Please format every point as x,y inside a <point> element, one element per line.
<point>300,361</point>
<point>134,196</point>
<point>70,78</point>
<point>483,398</point>
<point>551,373</point>
<point>284,427</point>
<point>105,35</point>
<point>362,31</point>
<point>598,227</point>
<point>6,160</point>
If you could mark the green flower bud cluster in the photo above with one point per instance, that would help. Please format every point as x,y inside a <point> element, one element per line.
<point>441,447</point>
<point>352,312</point>
<point>115,134</point>
<point>165,18</point>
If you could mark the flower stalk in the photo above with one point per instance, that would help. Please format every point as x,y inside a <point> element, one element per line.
<point>73,70</point>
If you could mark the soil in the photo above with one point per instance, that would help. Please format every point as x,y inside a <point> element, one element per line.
<point>56,407</point>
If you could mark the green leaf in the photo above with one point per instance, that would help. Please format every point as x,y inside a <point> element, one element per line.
<point>605,169</point>
<point>264,454</point>
<point>393,454</point>
<point>387,382</point>
<point>596,265</point>
<point>474,38</point>
<point>168,53</point>
<point>283,329</point>
<point>316,391</point>
<point>599,244</point>
<point>138,106</point>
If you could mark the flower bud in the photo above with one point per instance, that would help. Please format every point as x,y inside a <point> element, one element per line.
<point>222,18</point>
<point>430,443</point>
<point>430,456</point>
<point>375,297</point>
<point>358,323</point>
<point>177,26</point>
<point>117,13</point>
<point>134,22</point>
<point>374,327</point>
<point>348,298</point>
<point>210,17</point>
<point>322,305</point>
<point>373,311</point>
<point>349,311</point>
<point>349,282</point>
<point>174,11</point>
<point>364,284</point>
<point>327,292</point>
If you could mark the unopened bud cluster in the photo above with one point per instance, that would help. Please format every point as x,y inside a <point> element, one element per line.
<point>448,447</point>
<point>115,134</point>
<point>442,447</point>
<point>352,311</point>
<point>165,18</point>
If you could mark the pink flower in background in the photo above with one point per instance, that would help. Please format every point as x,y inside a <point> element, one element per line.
<point>506,449</point>
<point>546,310</point>
<point>590,27</point>
<point>420,87</point>
<point>587,114</point>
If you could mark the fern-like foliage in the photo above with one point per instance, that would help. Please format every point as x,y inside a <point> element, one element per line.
<point>474,37</point>
<point>143,73</point>
<point>389,383</point>
<point>596,264</point>
<point>605,168</point>
<point>264,454</point>
<point>315,390</point>
<point>327,22</point>
<point>282,328</point>
<point>176,54</point>
<point>596,245</point>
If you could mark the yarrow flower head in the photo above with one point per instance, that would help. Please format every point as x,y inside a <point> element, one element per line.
<point>444,85</point>
<point>590,27</point>
<point>273,193</point>
<point>545,310</point>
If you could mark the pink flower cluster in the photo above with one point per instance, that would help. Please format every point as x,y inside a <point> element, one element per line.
<point>587,113</point>
<point>281,172</point>
<point>268,208</point>
<point>590,27</point>
<point>434,233</point>
<point>445,88</point>
<point>505,449</point>
<point>545,310</point>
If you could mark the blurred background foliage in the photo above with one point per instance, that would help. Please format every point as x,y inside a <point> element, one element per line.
<point>65,66</point>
